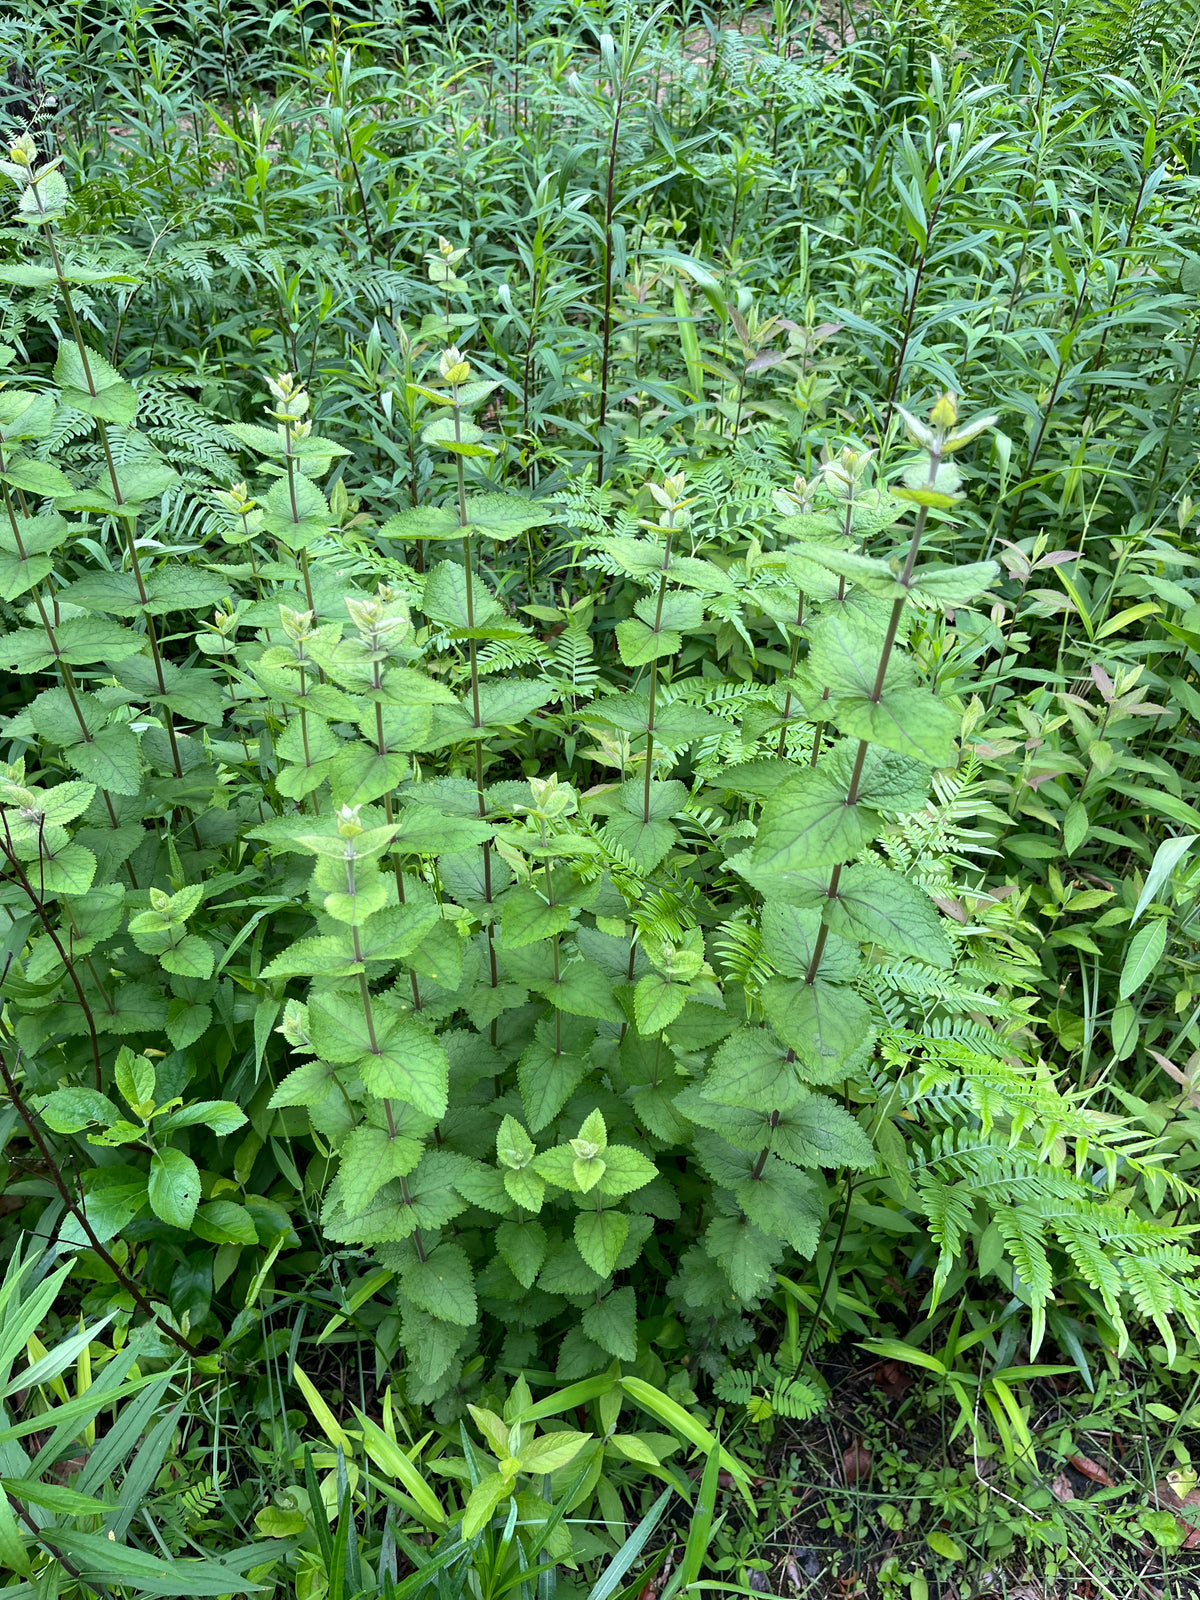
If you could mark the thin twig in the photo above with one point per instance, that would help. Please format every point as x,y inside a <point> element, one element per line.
<point>80,1215</point>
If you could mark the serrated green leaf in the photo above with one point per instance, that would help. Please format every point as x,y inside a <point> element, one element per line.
<point>71,1110</point>
<point>112,759</point>
<point>747,1255</point>
<point>118,403</point>
<point>192,957</point>
<point>752,1068</point>
<point>815,1131</point>
<point>69,871</point>
<point>20,573</point>
<point>911,721</point>
<point>547,1078</point>
<point>581,988</point>
<point>422,522</point>
<point>306,1085</point>
<point>612,1324</point>
<point>300,524</point>
<point>954,585</point>
<point>371,1157</point>
<point>646,842</point>
<point>465,439</point>
<point>790,935</point>
<point>409,1064</point>
<point>78,368</point>
<point>526,918</point>
<point>358,774</point>
<point>887,780</point>
<point>828,1025</point>
<point>600,1236</point>
<point>505,516</point>
<point>807,823</point>
<point>784,1202</point>
<point>625,1170</point>
<point>657,1002</point>
<point>523,1246</point>
<point>35,477</point>
<point>507,702</point>
<point>113,1196</point>
<point>443,1286</point>
<point>64,802</point>
<point>876,905</point>
<point>430,832</point>
<point>445,599</point>
<point>639,643</point>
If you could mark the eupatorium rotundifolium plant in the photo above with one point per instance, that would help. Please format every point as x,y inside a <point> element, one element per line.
<point>571,1060</point>
<point>539,989</point>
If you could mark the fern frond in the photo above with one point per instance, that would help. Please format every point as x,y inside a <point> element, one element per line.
<point>1154,1295</point>
<point>501,654</point>
<point>185,433</point>
<point>798,1399</point>
<point>735,1388</point>
<point>739,948</point>
<point>1023,1233</point>
<point>1083,1244</point>
<point>202,1498</point>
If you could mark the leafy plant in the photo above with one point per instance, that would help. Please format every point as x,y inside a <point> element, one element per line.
<point>586,831</point>
<point>80,1530</point>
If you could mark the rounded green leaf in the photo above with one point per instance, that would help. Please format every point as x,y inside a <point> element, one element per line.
<point>174,1187</point>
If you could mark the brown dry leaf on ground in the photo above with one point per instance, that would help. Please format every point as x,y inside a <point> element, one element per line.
<point>1093,1470</point>
<point>856,1462</point>
<point>892,1378</point>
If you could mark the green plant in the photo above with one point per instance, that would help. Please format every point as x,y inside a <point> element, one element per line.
<point>507,906</point>
<point>530,1501</point>
<point>714,906</point>
<point>51,1529</point>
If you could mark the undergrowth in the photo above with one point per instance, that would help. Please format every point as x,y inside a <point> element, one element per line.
<point>601,618</point>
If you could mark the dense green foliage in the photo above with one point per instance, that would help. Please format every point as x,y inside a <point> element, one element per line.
<point>571,814</point>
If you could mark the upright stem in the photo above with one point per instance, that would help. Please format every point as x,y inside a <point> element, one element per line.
<point>1044,422</point>
<point>910,311</point>
<point>860,756</point>
<point>827,1281</point>
<point>476,717</point>
<point>662,590</point>
<point>79,1212</point>
<point>1165,448</point>
<point>1098,358</point>
<point>126,519</point>
<point>397,869</point>
<point>68,677</point>
<point>1021,196</point>
<point>606,326</point>
<point>43,917</point>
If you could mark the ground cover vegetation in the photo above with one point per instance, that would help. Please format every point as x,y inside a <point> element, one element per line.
<point>600,629</point>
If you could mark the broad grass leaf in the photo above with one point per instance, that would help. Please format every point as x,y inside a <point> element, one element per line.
<point>1143,955</point>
